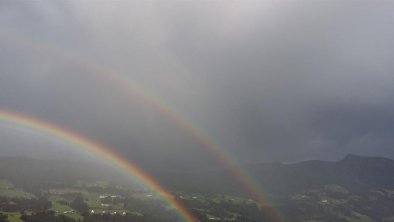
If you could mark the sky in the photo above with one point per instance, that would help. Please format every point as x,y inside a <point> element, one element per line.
<point>270,81</point>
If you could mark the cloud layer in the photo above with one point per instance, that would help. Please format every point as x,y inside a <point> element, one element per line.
<point>270,81</point>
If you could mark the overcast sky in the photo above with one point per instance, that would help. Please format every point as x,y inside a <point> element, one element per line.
<point>268,80</point>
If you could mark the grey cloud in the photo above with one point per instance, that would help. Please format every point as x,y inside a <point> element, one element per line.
<point>270,81</point>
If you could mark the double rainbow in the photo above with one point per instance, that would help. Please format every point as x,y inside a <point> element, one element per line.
<point>159,104</point>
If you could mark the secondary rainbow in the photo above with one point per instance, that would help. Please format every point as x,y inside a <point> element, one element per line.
<point>98,150</point>
<point>159,104</point>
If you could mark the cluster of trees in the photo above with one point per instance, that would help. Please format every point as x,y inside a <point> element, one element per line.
<point>153,210</point>
<point>126,218</point>
<point>240,211</point>
<point>3,218</point>
<point>325,204</point>
<point>80,205</point>
<point>109,189</point>
<point>48,216</point>
<point>112,200</point>
<point>21,204</point>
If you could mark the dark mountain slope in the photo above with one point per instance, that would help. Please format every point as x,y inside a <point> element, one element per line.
<point>279,181</point>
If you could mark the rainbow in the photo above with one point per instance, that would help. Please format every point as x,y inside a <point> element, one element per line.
<point>133,88</point>
<point>99,151</point>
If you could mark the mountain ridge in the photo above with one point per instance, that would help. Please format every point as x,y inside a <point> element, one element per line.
<point>279,181</point>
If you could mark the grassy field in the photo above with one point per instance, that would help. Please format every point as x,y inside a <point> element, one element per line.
<point>101,184</point>
<point>15,192</point>
<point>66,191</point>
<point>14,217</point>
<point>5,184</point>
<point>60,208</point>
<point>7,189</point>
<point>94,203</point>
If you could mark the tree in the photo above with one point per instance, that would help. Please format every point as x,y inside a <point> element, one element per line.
<point>3,218</point>
<point>80,205</point>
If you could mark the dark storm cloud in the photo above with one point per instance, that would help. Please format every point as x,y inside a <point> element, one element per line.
<point>303,84</point>
<point>270,80</point>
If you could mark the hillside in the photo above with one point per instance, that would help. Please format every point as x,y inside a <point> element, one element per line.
<point>279,181</point>
<point>353,189</point>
